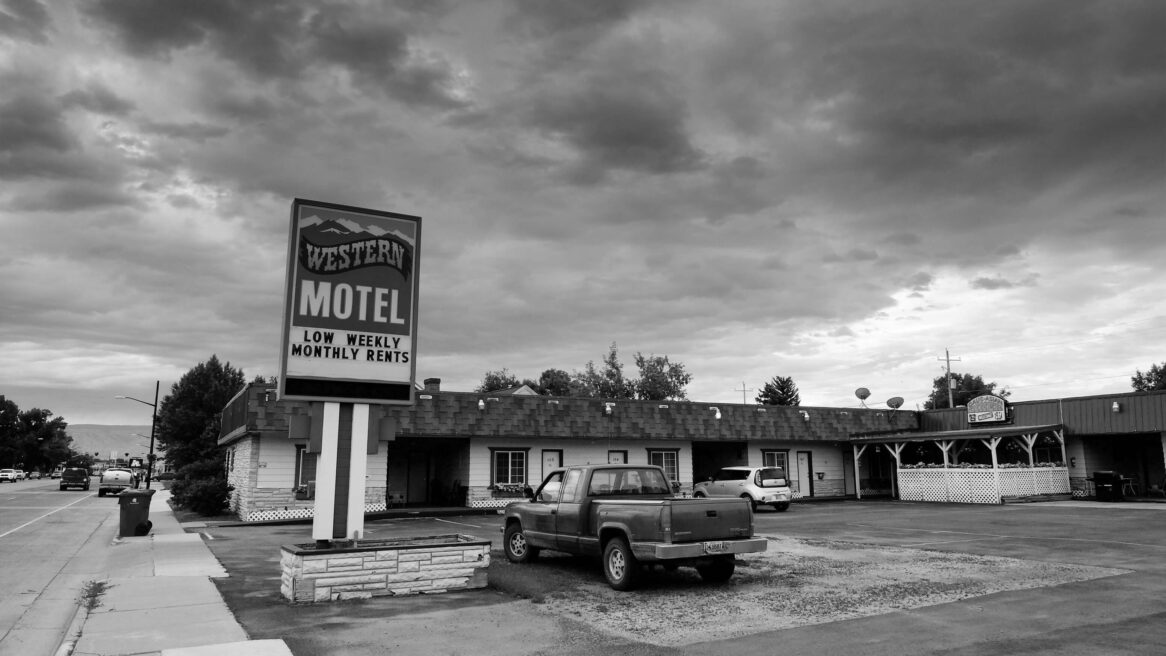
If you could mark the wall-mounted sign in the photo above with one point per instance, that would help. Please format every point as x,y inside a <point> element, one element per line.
<point>987,409</point>
<point>350,305</point>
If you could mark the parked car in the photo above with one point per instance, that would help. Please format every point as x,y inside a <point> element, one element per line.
<point>56,473</point>
<point>34,476</point>
<point>629,516</point>
<point>8,476</point>
<point>760,485</point>
<point>20,475</point>
<point>113,481</point>
<point>75,477</point>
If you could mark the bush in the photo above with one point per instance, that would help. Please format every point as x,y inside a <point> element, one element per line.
<point>202,488</point>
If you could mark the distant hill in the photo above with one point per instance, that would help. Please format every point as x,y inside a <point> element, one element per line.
<point>102,439</point>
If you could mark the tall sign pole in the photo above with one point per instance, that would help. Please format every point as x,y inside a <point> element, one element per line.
<point>349,340</point>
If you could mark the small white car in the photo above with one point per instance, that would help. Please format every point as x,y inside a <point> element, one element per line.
<point>760,485</point>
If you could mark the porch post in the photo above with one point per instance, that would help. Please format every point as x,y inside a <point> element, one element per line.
<point>857,476</point>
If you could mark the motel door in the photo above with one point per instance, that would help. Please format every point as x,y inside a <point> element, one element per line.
<point>552,460</point>
<point>805,474</point>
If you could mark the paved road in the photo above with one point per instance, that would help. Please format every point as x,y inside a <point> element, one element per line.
<point>42,532</point>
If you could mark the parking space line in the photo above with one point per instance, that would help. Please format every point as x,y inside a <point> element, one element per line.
<point>981,536</point>
<point>446,521</point>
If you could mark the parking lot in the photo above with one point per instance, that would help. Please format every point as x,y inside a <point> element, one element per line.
<point>844,577</point>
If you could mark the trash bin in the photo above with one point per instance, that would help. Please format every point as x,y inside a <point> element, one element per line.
<point>1107,485</point>
<point>135,512</point>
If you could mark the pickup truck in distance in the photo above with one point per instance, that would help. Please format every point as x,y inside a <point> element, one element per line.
<point>628,515</point>
<point>113,481</point>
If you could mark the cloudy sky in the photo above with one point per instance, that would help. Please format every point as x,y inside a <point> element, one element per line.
<point>832,191</point>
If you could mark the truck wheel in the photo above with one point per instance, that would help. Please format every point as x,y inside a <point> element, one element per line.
<point>781,507</point>
<point>101,493</point>
<point>752,503</point>
<point>619,565</point>
<point>698,495</point>
<point>514,543</point>
<point>717,571</point>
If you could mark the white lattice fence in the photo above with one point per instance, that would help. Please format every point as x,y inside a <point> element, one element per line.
<point>979,485</point>
<point>299,513</point>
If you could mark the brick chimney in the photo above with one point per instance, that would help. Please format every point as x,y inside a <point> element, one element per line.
<point>432,384</point>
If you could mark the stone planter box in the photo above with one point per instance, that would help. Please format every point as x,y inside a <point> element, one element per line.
<point>374,568</point>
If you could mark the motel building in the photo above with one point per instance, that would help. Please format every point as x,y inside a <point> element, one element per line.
<point>457,449</point>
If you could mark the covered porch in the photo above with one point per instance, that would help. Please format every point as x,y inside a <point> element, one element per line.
<point>981,465</point>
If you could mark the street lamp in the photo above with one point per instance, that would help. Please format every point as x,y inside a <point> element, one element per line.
<point>153,425</point>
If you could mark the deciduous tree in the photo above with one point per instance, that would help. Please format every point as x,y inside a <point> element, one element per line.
<point>188,417</point>
<point>1152,379</point>
<point>966,387</point>
<point>497,380</point>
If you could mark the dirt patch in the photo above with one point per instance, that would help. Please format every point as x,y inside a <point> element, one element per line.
<point>800,582</point>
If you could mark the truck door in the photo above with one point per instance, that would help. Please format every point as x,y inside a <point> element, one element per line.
<point>569,523</point>
<point>540,525</point>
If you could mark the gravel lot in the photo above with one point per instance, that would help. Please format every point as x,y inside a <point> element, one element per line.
<point>798,582</point>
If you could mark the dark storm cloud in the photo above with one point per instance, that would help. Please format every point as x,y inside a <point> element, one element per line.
<point>283,40</point>
<point>24,20</point>
<point>73,197</point>
<point>378,55</point>
<point>539,19</point>
<point>633,122</point>
<point>99,99</point>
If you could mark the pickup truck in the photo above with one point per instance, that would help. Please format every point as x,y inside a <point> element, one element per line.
<point>113,481</point>
<point>629,516</point>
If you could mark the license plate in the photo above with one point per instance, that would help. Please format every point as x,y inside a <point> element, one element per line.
<point>716,547</point>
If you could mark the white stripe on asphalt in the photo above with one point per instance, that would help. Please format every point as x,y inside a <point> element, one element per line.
<point>7,533</point>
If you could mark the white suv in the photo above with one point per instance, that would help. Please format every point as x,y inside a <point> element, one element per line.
<point>760,485</point>
<point>9,475</point>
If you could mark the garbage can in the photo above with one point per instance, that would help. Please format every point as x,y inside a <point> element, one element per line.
<point>1107,486</point>
<point>135,512</point>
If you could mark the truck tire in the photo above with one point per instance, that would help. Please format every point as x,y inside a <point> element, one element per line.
<point>698,495</point>
<point>717,571</point>
<point>100,492</point>
<point>514,543</point>
<point>619,565</point>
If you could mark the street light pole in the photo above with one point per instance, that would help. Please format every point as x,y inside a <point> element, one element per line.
<point>153,428</point>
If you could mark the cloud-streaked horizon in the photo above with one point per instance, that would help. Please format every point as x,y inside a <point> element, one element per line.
<point>831,191</point>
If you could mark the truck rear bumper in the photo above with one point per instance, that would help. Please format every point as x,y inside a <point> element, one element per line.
<point>661,551</point>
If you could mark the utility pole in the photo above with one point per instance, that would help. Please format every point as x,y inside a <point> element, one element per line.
<point>743,391</point>
<point>947,358</point>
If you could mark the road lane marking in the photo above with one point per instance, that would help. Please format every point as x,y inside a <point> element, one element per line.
<point>7,533</point>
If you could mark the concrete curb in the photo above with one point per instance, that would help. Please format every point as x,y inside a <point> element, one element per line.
<point>73,633</point>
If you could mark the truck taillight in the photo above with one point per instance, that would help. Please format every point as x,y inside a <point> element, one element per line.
<point>666,523</point>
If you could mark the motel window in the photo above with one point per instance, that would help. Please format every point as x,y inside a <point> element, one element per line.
<point>305,466</point>
<point>668,459</point>
<point>509,466</point>
<point>775,459</point>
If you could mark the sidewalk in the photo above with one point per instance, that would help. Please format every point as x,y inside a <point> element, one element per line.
<point>155,596</point>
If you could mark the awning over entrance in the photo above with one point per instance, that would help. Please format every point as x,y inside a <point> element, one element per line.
<point>969,434</point>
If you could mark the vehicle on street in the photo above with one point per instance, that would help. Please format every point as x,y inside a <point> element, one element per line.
<point>33,476</point>
<point>760,485</point>
<point>56,473</point>
<point>8,476</point>
<point>113,481</point>
<point>630,517</point>
<point>20,475</point>
<point>75,477</point>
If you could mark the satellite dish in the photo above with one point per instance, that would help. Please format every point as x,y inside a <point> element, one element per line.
<point>895,402</point>
<point>862,393</point>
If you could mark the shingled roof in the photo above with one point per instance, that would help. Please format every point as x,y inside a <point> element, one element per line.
<point>461,415</point>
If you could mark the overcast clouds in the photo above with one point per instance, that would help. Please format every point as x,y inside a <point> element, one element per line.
<point>832,191</point>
